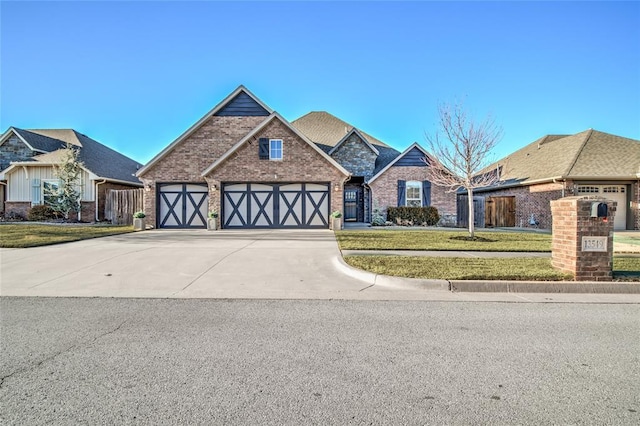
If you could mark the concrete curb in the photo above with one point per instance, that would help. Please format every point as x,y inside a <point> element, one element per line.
<point>546,287</point>
<point>389,281</point>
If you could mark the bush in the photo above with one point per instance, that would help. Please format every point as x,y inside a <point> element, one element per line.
<point>139,215</point>
<point>413,216</point>
<point>377,219</point>
<point>41,212</point>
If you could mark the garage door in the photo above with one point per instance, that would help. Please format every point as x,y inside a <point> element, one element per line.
<point>290,205</point>
<point>182,205</point>
<point>611,192</point>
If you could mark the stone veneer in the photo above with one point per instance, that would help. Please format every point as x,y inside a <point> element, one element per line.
<point>13,149</point>
<point>384,189</point>
<point>355,156</point>
<point>571,222</point>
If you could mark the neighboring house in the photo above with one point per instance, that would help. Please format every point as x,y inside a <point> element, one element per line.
<point>245,161</point>
<point>556,166</point>
<point>27,160</point>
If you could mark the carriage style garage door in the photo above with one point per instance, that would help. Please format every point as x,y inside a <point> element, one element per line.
<point>182,205</point>
<point>275,205</point>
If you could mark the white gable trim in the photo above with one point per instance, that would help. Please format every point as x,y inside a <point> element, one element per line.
<point>357,133</point>
<point>198,124</point>
<point>5,136</point>
<point>257,129</point>
<point>395,160</point>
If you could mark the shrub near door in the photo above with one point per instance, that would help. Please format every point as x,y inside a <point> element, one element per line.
<point>413,216</point>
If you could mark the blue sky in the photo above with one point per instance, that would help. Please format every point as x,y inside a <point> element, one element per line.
<point>135,75</point>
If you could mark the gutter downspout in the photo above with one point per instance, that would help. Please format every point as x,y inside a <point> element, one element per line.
<point>97,197</point>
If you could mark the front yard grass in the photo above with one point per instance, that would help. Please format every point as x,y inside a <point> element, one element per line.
<point>442,240</point>
<point>457,268</point>
<point>27,235</point>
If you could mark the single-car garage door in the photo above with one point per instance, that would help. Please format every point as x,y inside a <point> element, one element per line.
<point>182,205</point>
<point>275,205</point>
<point>612,192</point>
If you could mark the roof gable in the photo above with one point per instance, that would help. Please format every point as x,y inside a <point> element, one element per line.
<point>243,105</point>
<point>221,106</point>
<point>257,129</point>
<point>409,157</point>
<point>39,142</point>
<point>607,155</point>
<point>326,129</point>
<point>356,132</point>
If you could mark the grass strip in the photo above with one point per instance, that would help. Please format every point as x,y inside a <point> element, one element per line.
<point>443,240</point>
<point>457,268</point>
<point>23,236</point>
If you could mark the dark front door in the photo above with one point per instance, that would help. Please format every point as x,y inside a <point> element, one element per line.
<point>351,199</point>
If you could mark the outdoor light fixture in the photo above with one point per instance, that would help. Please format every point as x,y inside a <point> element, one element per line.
<point>336,187</point>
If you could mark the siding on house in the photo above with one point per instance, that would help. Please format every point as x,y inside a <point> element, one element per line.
<point>21,185</point>
<point>412,158</point>
<point>242,106</point>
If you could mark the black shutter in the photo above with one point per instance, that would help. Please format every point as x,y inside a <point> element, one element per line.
<point>426,193</point>
<point>263,148</point>
<point>402,193</point>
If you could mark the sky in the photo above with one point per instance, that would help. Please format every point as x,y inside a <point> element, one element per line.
<point>136,75</point>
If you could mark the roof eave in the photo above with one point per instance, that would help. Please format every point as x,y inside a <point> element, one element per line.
<point>274,115</point>
<point>395,160</point>
<point>198,124</point>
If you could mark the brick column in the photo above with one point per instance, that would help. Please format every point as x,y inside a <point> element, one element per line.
<point>572,249</point>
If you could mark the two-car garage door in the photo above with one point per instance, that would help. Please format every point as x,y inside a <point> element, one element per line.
<point>246,205</point>
<point>275,205</point>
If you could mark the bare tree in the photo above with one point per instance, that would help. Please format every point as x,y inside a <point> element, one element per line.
<point>461,147</point>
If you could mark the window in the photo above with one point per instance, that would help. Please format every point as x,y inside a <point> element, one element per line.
<point>49,188</point>
<point>414,194</point>
<point>588,189</point>
<point>612,189</point>
<point>275,149</point>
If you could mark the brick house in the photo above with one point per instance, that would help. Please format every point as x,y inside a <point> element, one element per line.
<point>258,170</point>
<point>557,166</point>
<point>27,160</point>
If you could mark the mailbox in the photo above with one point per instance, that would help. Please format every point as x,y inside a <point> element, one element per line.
<point>599,210</point>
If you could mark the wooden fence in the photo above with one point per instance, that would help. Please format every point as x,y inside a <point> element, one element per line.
<point>120,205</point>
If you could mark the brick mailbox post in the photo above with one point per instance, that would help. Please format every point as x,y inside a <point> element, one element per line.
<point>582,242</point>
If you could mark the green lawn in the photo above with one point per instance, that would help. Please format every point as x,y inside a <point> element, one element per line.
<point>456,268</point>
<point>442,240</point>
<point>26,235</point>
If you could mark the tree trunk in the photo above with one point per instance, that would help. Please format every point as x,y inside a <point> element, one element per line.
<point>471,213</point>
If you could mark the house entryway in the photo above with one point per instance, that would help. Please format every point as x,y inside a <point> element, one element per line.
<point>354,202</point>
<point>275,205</point>
<point>182,205</point>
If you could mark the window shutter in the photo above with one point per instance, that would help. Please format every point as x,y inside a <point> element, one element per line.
<point>426,193</point>
<point>263,148</point>
<point>35,191</point>
<point>402,193</point>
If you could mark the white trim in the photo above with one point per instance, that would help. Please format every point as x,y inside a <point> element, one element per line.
<point>5,137</point>
<point>360,135</point>
<point>198,124</point>
<point>395,160</point>
<point>281,149</point>
<point>274,115</point>
<point>406,192</point>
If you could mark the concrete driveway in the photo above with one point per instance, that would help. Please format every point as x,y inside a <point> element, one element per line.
<point>250,264</point>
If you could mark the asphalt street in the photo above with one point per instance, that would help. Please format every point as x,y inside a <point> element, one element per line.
<point>202,361</point>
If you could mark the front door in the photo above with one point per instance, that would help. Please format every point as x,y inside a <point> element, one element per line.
<point>351,197</point>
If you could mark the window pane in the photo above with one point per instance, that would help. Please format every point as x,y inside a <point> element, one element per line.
<point>275,149</point>
<point>414,194</point>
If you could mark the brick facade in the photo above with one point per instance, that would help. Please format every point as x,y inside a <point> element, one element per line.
<point>300,163</point>
<point>13,149</point>
<point>193,155</point>
<point>17,208</point>
<point>535,200</point>
<point>355,156</point>
<point>384,190</point>
<point>571,222</point>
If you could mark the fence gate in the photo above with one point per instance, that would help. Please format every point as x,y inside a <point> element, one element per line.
<point>462,211</point>
<point>120,205</point>
<point>500,212</point>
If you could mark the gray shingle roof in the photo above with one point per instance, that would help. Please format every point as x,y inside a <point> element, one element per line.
<point>588,154</point>
<point>326,130</point>
<point>97,158</point>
